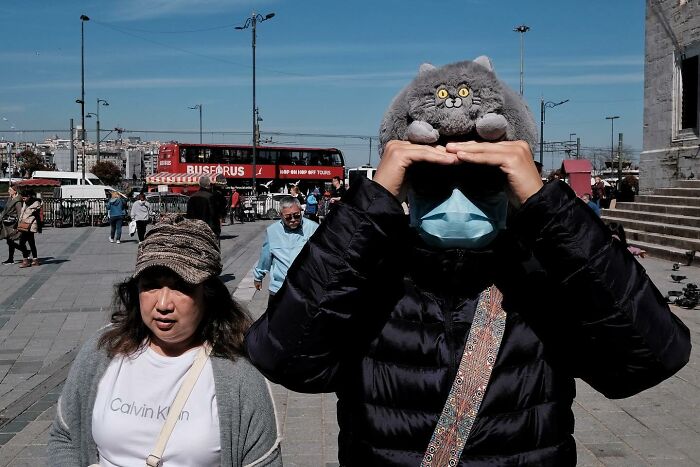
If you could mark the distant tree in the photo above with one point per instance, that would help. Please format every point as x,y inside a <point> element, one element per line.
<point>28,162</point>
<point>108,172</point>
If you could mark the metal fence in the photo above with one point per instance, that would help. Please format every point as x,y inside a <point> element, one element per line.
<point>62,212</point>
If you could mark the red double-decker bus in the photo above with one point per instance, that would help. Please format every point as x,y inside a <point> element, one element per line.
<point>277,167</point>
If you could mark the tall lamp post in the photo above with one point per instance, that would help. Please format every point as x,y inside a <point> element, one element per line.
<point>612,147</point>
<point>522,29</point>
<point>83,19</point>
<point>105,103</point>
<point>195,107</point>
<point>252,23</point>
<point>543,108</point>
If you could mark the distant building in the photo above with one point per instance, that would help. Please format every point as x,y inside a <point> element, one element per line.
<point>671,93</point>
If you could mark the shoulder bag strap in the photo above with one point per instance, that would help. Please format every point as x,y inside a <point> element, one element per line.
<point>468,389</point>
<point>154,459</point>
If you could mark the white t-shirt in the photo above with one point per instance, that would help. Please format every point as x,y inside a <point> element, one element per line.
<point>132,404</point>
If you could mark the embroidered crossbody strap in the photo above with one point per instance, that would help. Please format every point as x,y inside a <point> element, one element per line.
<point>154,460</point>
<point>468,389</point>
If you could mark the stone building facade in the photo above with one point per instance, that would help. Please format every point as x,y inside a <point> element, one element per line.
<point>671,147</point>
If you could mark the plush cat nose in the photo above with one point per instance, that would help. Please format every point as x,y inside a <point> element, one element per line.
<point>456,102</point>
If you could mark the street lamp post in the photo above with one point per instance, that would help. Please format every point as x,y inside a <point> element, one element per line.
<point>105,103</point>
<point>252,23</point>
<point>612,146</point>
<point>543,107</point>
<point>195,107</point>
<point>83,19</point>
<point>522,29</point>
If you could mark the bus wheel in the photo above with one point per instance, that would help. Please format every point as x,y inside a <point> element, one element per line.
<point>271,213</point>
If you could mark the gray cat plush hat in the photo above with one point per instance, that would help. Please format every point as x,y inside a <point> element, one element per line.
<point>463,101</point>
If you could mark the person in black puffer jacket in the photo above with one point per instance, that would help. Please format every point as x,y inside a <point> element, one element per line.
<point>379,310</point>
<point>369,311</point>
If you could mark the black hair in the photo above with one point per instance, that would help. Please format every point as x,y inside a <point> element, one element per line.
<point>618,230</point>
<point>223,324</point>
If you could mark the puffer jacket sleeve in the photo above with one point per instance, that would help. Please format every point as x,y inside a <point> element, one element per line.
<point>337,295</point>
<point>610,326</point>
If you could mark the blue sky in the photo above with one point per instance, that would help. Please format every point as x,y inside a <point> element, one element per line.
<point>322,67</point>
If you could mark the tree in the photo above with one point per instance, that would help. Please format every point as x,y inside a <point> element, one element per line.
<point>28,162</point>
<point>108,172</point>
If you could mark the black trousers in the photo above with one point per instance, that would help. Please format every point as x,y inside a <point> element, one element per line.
<point>11,247</point>
<point>141,229</point>
<point>24,238</point>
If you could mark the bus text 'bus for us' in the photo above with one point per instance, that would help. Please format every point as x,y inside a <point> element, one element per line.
<point>276,167</point>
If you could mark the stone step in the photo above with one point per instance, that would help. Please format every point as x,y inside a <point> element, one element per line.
<point>660,218</point>
<point>676,255</point>
<point>690,233</point>
<point>686,183</point>
<point>682,192</point>
<point>659,208</point>
<point>668,200</point>
<point>682,243</point>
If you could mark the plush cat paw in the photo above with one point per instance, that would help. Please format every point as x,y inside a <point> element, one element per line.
<point>491,127</point>
<point>421,132</point>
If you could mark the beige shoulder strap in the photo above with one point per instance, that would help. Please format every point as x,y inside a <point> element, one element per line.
<point>154,460</point>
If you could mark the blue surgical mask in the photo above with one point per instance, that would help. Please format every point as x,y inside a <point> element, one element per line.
<point>459,222</point>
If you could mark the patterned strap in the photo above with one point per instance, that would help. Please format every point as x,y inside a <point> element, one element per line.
<point>469,386</point>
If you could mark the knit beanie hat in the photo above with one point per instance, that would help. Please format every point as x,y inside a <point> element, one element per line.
<point>188,247</point>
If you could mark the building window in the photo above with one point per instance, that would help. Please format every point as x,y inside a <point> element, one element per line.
<point>689,93</point>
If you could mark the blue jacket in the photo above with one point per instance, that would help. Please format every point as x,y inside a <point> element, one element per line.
<point>116,207</point>
<point>280,248</point>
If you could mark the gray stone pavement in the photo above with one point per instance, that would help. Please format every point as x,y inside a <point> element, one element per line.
<point>46,313</point>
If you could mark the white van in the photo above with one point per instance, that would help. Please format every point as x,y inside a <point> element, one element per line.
<point>84,192</point>
<point>68,178</point>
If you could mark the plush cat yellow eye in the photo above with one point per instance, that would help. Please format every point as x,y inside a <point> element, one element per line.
<point>463,92</point>
<point>442,93</point>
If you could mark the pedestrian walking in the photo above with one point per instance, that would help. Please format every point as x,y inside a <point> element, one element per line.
<point>432,330</point>
<point>235,211</point>
<point>141,213</point>
<point>116,210</point>
<point>311,211</point>
<point>324,206</point>
<point>283,242</point>
<point>296,194</point>
<point>175,335</point>
<point>203,205</point>
<point>598,191</point>
<point>29,223</point>
<point>8,224</point>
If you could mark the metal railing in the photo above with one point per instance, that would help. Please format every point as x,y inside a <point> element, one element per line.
<point>63,212</point>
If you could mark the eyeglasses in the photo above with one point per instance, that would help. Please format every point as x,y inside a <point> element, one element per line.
<point>295,216</point>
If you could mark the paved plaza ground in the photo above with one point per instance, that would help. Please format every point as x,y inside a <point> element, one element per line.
<point>46,313</point>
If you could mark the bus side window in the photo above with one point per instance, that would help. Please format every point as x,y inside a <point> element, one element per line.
<point>285,157</point>
<point>336,160</point>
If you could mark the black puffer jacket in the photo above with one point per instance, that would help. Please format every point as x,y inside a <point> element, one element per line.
<point>368,314</point>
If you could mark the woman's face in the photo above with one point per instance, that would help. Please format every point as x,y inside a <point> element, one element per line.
<point>172,310</point>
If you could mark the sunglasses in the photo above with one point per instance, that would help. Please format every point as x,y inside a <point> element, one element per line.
<point>295,216</point>
<point>438,181</point>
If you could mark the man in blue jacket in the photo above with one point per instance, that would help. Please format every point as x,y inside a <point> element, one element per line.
<point>283,242</point>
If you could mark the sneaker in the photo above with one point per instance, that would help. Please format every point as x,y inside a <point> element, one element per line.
<point>119,241</point>
<point>35,262</point>
<point>8,261</point>
<point>111,240</point>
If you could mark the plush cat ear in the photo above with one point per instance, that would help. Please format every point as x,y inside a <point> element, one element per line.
<point>484,61</point>
<point>426,67</point>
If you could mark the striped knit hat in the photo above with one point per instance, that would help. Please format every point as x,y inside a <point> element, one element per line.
<point>188,247</point>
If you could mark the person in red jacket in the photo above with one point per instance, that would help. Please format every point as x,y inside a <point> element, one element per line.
<point>235,211</point>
